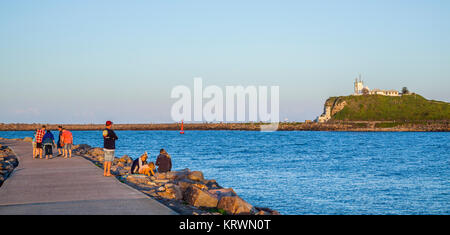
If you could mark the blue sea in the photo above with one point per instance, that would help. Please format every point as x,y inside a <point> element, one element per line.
<point>307,172</point>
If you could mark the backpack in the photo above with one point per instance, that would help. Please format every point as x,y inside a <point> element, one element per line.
<point>47,141</point>
<point>47,138</point>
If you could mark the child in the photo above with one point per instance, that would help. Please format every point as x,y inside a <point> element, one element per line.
<point>34,145</point>
<point>148,170</point>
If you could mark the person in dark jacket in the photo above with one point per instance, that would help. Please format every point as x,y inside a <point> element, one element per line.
<point>48,141</point>
<point>163,161</point>
<point>109,147</point>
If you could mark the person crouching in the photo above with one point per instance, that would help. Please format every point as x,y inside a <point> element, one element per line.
<point>139,163</point>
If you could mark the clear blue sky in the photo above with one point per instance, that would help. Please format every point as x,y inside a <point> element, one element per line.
<point>89,61</point>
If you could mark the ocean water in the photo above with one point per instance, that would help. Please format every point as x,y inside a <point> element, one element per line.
<point>307,172</point>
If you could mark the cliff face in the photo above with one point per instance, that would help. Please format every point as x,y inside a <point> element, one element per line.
<point>337,106</point>
<point>384,108</point>
<point>332,106</point>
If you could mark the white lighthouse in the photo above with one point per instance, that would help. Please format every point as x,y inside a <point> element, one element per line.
<point>359,86</point>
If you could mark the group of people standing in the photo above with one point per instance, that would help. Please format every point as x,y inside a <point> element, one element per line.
<point>44,142</point>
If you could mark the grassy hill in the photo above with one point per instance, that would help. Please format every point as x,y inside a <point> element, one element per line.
<point>387,108</point>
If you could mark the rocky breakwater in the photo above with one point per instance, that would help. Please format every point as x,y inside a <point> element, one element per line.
<point>8,161</point>
<point>185,191</point>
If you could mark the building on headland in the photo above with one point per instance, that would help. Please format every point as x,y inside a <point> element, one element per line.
<point>360,89</point>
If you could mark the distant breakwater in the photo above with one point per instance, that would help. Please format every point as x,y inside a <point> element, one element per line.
<point>438,126</point>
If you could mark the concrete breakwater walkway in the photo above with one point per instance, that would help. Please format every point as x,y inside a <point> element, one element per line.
<point>68,186</point>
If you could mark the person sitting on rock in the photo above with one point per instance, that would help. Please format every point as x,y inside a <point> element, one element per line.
<point>163,161</point>
<point>139,164</point>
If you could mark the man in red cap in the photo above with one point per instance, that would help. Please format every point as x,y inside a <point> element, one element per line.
<point>109,146</point>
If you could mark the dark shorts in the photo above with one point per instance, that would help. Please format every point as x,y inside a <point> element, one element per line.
<point>39,145</point>
<point>48,149</point>
<point>59,145</point>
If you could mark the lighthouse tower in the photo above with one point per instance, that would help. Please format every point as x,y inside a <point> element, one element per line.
<point>359,85</point>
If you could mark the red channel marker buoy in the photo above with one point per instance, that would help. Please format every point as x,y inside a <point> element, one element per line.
<point>182,128</point>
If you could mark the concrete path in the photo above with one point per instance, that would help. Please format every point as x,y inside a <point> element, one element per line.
<point>68,186</point>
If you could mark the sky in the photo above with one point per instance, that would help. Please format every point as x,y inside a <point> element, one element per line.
<point>91,61</point>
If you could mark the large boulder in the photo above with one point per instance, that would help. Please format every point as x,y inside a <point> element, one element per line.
<point>137,179</point>
<point>96,152</point>
<point>117,170</point>
<point>186,183</point>
<point>84,146</point>
<point>160,176</point>
<point>13,161</point>
<point>224,192</point>
<point>126,159</point>
<point>6,166</point>
<point>173,175</point>
<point>235,205</point>
<point>181,174</point>
<point>199,198</point>
<point>212,184</point>
<point>196,176</point>
<point>81,148</point>
<point>266,211</point>
<point>171,192</point>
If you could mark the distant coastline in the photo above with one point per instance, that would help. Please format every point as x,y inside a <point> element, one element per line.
<point>378,126</point>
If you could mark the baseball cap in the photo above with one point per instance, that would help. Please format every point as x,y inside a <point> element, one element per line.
<point>109,123</point>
